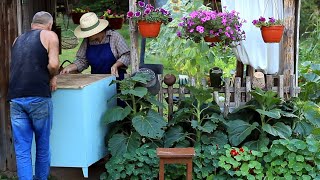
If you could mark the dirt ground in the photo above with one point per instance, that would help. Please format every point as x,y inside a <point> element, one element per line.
<point>59,173</point>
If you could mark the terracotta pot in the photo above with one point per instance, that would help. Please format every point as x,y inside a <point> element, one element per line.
<point>149,30</point>
<point>76,17</point>
<point>272,34</point>
<point>115,23</point>
<point>212,39</point>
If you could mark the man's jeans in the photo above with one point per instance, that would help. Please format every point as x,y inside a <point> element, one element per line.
<point>31,115</point>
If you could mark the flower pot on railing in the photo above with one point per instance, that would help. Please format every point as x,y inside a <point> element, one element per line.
<point>76,17</point>
<point>149,29</point>
<point>215,74</point>
<point>115,23</point>
<point>272,34</point>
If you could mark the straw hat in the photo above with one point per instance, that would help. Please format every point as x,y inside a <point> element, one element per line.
<point>90,25</point>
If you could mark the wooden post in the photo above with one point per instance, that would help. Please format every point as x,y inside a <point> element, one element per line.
<point>170,102</point>
<point>269,82</point>
<point>248,88</point>
<point>237,93</point>
<point>280,86</point>
<point>134,39</point>
<point>288,46</point>
<point>297,25</point>
<point>292,88</point>
<point>227,98</point>
<point>8,32</point>
<point>258,80</point>
<point>160,95</point>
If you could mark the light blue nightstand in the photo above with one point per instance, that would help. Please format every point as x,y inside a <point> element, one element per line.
<point>77,135</point>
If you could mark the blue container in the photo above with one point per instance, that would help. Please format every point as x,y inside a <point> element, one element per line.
<point>77,135</point>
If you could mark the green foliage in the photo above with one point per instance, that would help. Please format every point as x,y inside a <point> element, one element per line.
<point>195,120</point>
<point>309,81</point>
<point>116,6</point>
<point>137,120</point>
<point>242,162</point>
<point>142,163</point>
<point>293,159</point>
<point>186,56</point>
<point>267,117</point>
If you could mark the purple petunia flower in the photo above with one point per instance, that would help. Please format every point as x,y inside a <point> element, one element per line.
<point>137,14</point>
<point>272,20</point>
<point>200,29</point>
<point>254,22</point>
<point>130,14</point>
<point>262,19</point>
<point>179,34</point>
<point>147,11</point>
<point>141,4</point>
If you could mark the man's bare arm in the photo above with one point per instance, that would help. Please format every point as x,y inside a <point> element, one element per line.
<point>53,52</point>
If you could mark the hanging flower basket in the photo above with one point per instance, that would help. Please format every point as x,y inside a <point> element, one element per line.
<point>212,39</point>
<point>115,23</point>
<point>149,29</point>
<point>272,34</point>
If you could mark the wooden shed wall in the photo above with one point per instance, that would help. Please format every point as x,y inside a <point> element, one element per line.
<point>8,32</point>
<point>15,18</point>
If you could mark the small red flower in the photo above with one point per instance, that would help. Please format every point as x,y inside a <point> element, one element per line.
<point>234,152</point>
<point>250,152</point>
<point>241,150</point>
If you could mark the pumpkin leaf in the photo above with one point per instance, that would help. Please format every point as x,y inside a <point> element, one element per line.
<point>278,129</point>
<point>239,130</point>
<point>116,114</point>
<point>120,144</point>
<point>150,125</point>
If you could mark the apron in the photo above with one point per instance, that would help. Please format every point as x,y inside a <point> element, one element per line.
<point>101,59</point>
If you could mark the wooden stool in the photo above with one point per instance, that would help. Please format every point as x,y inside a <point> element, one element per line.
<point>175,156</point>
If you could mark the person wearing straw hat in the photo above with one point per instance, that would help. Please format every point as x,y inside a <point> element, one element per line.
<point>103,49</point>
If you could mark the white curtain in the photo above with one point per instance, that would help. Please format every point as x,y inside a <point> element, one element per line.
<point>253,50</point>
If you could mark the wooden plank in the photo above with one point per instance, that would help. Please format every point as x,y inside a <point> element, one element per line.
<point>296,47</point>
<point>170,102</point>
<point>182,91</point>
<point>292,86</point>
<point>280,86</point>
<point>133,29</point>
<point>288,50</point>
<point>237,93</point>
<point>269,82</point>
<point>78,81</point>
<point>248,88</point>
<point>160,95</point>
<point>227,98</point>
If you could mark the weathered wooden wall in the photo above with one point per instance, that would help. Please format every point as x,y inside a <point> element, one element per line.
<point>15,18</point>
<point>8,32</point>
<point>289,52</point>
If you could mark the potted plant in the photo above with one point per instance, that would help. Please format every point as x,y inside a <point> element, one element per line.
<point>149,19</point>
<point>271,30</point>
<point>115,20</point>
<point>77,13</point>
<point>212,26</point>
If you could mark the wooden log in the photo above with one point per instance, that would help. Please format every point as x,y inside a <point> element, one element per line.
<point>227,98</point>
<point>258,80</point>
<point>134,40</point>
<point>237,93</point>
<point>160,95</point>
<point>288,46</point>
<point>170,102</point>
<point>280,86</point>
<point>248,88</point>
<point>269,82</point>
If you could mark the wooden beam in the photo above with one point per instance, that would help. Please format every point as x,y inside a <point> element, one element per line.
<point>287,63</point>
<point>297,13</point>
<point>134,39</point>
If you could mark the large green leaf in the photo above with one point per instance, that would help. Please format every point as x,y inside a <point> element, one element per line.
<point>174,134</point>
<point>274,113</point>
<point>154,101</point>
<point>150,125</point>
<point>263,141</point>
<point>120,143</point>
<point>278,129</point>
<point>217,138</point>
<point>137,91</point>
<point>311,112</point>
<point>116,114</point>
<point>302,128</point>
<point>238,130</point>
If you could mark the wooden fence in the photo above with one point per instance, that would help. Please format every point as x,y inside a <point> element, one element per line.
<point>234,93</point>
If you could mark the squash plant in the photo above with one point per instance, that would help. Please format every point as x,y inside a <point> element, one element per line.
<point>136,123</point>
<point>266,117</point>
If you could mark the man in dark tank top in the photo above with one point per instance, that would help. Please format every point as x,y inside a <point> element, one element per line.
<point>34,64</point>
